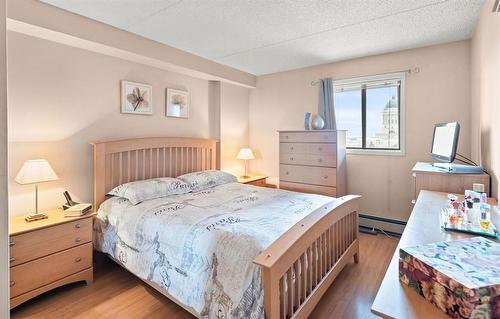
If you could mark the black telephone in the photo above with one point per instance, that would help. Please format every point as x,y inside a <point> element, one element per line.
<point>69,202</point>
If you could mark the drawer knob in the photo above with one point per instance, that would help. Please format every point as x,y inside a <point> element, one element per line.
<point>12,259</point>
<point>78,259</point>
<point>320,149</point>
<point>78,226</point>
<point>325,177</point>
<point>291,158</point>
<point>78,239</point>
<point>291,148</point>
<point>287,173</point>
<point>286,136</point>
<point>320,160</point>
<point>11,243</point>
<point>12,283</point>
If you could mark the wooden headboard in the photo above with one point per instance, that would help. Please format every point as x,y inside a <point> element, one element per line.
<point>127,160</point>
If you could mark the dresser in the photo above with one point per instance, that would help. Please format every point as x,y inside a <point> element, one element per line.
<point>313,162</point>
<point>397,300</point>
<point>432,178</point>
<point>48,253</point>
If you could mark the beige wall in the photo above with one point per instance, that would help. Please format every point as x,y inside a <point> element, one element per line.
<point>485,104</point>
<point>61,97</point>
<point>234,126</point>
<point>4,235</point>
<point>439,93</point>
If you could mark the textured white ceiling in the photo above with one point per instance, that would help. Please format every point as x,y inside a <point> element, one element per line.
<point>266,36</point>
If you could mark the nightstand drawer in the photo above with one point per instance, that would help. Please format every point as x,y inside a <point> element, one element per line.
<point>46,241</point>
<point>259,182</point>
<point>48,269</point>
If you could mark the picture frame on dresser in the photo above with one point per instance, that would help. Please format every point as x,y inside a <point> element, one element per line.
<point>313,161</point>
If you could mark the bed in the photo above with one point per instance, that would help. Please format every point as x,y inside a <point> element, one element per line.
<point>230,251</point>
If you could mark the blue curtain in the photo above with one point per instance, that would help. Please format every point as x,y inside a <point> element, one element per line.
<point>325,108</point>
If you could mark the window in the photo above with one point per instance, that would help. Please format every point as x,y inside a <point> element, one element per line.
<point>371,109</point>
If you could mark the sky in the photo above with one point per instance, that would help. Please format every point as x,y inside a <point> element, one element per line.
<point>348,109</point>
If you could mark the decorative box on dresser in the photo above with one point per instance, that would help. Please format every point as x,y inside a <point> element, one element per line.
<point>48,253</point>
<point>313,162</point>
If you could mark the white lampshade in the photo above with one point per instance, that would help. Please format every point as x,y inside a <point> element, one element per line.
<point>245,154</point>
<point>35,171</point>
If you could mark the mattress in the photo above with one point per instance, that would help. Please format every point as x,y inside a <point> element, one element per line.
<point>198,247</point>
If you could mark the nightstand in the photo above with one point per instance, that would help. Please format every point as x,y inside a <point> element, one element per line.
<point>48,253</point>
<point>255,180</point>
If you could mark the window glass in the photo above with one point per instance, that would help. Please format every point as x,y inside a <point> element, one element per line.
<point>369,108</point>
<point>348,115</point>
<point>382,118</point>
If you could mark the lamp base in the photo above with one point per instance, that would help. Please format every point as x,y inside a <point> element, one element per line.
<point>33,217</point>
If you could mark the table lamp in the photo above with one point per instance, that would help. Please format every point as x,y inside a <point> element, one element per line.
<point>34,172</point>
<point>245,154</point>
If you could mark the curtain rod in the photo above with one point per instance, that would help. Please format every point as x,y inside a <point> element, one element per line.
<point>409,71</point>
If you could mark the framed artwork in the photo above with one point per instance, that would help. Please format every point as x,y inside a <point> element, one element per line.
<point>177,103</point>
<point>137,98</point>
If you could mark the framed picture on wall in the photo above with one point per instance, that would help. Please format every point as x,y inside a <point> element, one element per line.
<point>177,103</point>
<point>137,98</point>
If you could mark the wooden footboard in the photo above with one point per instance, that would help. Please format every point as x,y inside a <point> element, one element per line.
<point>299,266</point>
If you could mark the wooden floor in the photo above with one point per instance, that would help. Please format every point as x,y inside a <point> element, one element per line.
<point>117,294</point>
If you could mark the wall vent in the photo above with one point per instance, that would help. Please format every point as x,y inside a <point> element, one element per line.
<point>496,6</point>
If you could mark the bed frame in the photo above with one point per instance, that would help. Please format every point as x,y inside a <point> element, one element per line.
<point>297,268</point>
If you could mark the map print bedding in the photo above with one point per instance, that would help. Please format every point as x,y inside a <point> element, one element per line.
<point>199,246</point>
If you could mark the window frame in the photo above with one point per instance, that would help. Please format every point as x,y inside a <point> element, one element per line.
<point>399,76</point>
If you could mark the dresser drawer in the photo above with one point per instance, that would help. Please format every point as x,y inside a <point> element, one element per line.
<point>45,241</point>
<point>309,148</point>
<point>308,175</point>
<point>307,188</point>
<point>293,148</point>
<point>309,137</point>
<point>308,159</point>
<point>43,271</point>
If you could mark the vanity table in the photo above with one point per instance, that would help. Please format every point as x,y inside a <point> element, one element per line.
<point>396,300</point>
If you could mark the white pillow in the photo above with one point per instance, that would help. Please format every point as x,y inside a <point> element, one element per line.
<point>139,191</point>
<point>198,181</point>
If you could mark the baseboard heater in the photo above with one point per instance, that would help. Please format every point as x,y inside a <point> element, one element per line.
<point>375,224</point>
